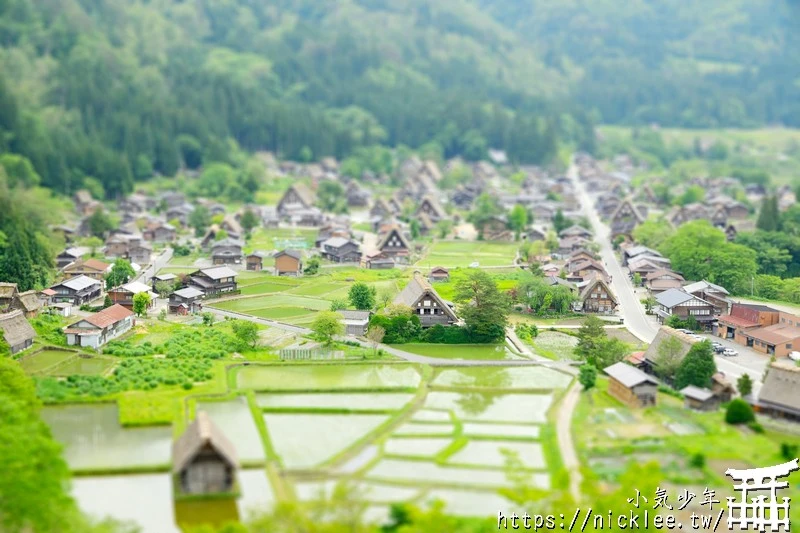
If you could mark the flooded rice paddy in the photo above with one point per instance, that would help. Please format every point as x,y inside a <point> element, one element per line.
<point>327,377</point>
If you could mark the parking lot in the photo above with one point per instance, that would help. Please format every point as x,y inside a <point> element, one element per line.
<point>748,360</point>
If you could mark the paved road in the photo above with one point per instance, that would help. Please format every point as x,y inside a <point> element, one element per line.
<point>158,263</point>
<point>631,310</point>
<point>637,321</point>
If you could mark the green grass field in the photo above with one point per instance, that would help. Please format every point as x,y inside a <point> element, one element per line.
<point>267,239</point>
<point>464,253</point>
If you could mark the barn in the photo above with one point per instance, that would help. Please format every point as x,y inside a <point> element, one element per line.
<point>203,459</point>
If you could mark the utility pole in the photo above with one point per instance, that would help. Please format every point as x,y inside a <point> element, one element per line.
<point>752,285</point>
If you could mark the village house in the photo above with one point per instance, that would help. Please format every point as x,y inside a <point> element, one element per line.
<point>96,330</point>
<point>185,301</point>
<point>426,303</point>
<point>355,322</point>
<point>297,197</point>
<point>567,245</point>
<point>378,261</point>
<point>779,339</point>
<point>16,331</point>
<point>232,227</point>
<point>159,279</point>
<point>679,303</point>
<point>711,293</point>
<point>699,399</point>
<point>394,245</point>
<point>341,250</point>
<point>29,302</point>
<point>744,318</point>
<point>329,230</point>
<point>722,388</point>
<point>357,196</point>
<point>67,257</point>
<point>586,269</point>
<point>575,231</point>
<point>255,261</point>
<point>652,355</point>
<point>204,461</point>
<point>631,386</point>
<point>123,295</point>
<point>536,234</point>
<point>431,207</point>
<point>661,280</point>
<point>381,209</point>
<point>439,273</point>
<point>91,268</point>
<point>778,395</point>
<point>496,229</point>
<point>214,281</point>
<point>289,263</point>
<point>180,213</point>
<point>551,269</point>
<point>625,219</point>
<point>77,291</point>
<point>737,227</point>
<point>596,297</point>
<point>159,232</point>
<point>646,265</point>
<point>628,254</point>
<point>8,294</point>
<point>84,203</point>
<point>227,252</point>
<point>139,253</point>
<point>171,199</point>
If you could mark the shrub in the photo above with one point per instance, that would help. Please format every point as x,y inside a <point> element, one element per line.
<point>187,385</point>
<point>739,412</point>
<point>439,334</point>
<point>698,460</point>
<point>788,451</point>
<point>756,427</point>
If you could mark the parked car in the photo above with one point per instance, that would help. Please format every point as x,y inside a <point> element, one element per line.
<point>717,347</point>
<point>474,264</point>
<point>729,352</point>
<point>686,331</point>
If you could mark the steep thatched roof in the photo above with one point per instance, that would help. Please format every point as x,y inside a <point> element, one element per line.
<point>665,332</point>
<point>780,387</point>
<point>16,330</point>
<point>201,433</point>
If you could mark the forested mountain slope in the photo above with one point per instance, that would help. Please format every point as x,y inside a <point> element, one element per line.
<point>114,89</point>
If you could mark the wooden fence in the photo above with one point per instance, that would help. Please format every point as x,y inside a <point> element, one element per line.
<point>290,354</point>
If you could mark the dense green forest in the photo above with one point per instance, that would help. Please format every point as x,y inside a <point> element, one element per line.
<point>115,90</point>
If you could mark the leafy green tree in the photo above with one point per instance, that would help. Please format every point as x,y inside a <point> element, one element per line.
<point>444,227</point>
<point>327,325</point>
<point>701,251</point>
<point>692,194</point>
<point>414,228</point>
<point>121,272</point>
<point>33,493</point>
<point>637,279</point>
<point>560,222</point>
<point>312,266</point>
<point>246,332</point>
<point>482,306</point>
<point>249,220</point>
<point>19,171</point>
<point>337,305</point>
<point>199,219</point>
<point>769,217</point>
<point>141,302</point>
<point>164,288</point>
<point>220,235</point>
<point>331,197</point>
<point>208,319</point>
<point>587,376</point>
<point>93,243</point>
<point>668,357</point>
<point>100,223</point>
<point>609,351</point>
<point>362,296</point>
<point>375,336</point>
<point>739,412</point>
<point>590,334</point>
<point>652,233</point>
<point>484,209</point>
<point>697,366</point>
<point>518,219</point>
<point>744,384</point>
<point>191,151</point>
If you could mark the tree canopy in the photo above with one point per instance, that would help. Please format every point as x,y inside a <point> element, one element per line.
<point>482,306</point>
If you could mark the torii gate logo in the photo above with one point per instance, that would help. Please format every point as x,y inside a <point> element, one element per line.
<point>758,511</point>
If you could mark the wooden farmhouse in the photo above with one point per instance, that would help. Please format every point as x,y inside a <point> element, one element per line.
<point>631,386</point>
<point>700,399</point>
<point>204,460</point>
<point>426,303</point>
<point>16,331</point>
<point>77,291</point>
<point>97,329</point>
<point>289,263</point>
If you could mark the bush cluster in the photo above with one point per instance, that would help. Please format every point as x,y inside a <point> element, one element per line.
<point>526,332</point>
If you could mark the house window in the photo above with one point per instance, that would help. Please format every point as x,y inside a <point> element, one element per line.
<point>427,303</point>
<point>789,346</point>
